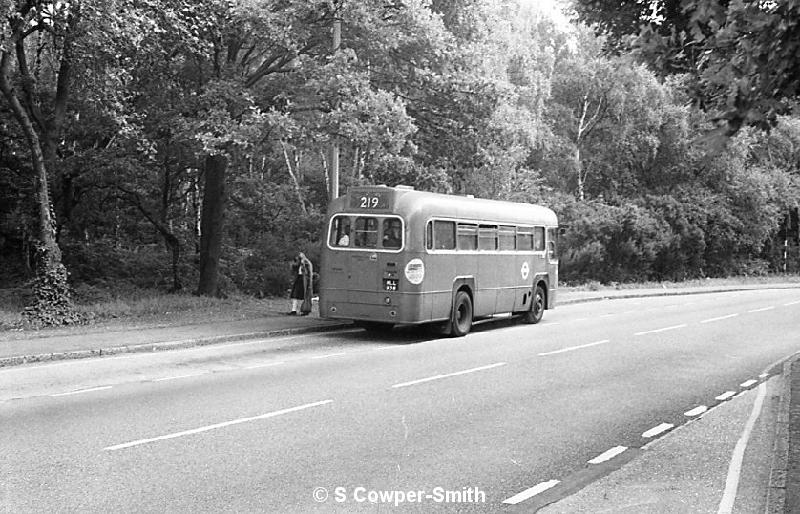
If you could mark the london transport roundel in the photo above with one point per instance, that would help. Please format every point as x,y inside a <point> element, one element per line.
<point>415,271</point>
<point>525,270</point>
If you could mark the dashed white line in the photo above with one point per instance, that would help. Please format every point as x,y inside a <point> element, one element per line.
<point>748,383</point>
<point>328,355</point>
<point>673,327</point>
<point>533,491</point>
<point>710,320</point>
<point>763,375</point>
<point>265,365</point>
<point>176,377</point>
<point>663,427</point>
<point>696,411</point>
<point>724,396</point>
<point>81,391</point>
<point>437,377</point>
<point>791,303</point>
<point>763,309</point>
<point>216,425</point>
<point>608,454</point>
<point>571,348</point>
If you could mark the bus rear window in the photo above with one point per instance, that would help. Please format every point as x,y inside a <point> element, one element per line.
<point>366,232</point>
<point>340,232</point>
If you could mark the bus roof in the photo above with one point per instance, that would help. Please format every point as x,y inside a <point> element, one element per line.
<point>408,202</point>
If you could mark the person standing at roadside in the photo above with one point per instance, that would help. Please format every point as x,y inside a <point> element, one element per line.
<point>302,287</point>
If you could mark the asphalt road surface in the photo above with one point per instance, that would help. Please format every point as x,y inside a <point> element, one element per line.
<point>358,421</point>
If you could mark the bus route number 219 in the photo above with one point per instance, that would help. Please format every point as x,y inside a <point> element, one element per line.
<point>369,201</point>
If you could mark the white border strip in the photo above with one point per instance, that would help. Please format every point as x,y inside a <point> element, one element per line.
<point>696,411</point>
<point>81,391</point>
<point>724,396</point>
<point>762,309</point>
<point>533,491</point>
<point>437,377</point>
<point>748,383</point>
<point>215,426</point>
<point>735,467</point>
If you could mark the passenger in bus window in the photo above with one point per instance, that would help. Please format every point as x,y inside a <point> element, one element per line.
<point>344,240</point>
<point>392,235</point>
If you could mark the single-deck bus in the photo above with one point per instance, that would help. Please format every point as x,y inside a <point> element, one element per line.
<point>393,255</point>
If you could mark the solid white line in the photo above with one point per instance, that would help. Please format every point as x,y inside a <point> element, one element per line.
<point>762,310</point>
<point>328,355</point>
<point>725,395</point>
<point>660,330</point>
<point>663,427</point>
<point>533,491</point>
<point>735,467</point>
<point>81,391</point>
<point>265,365</point>
<point>696,411</point>
<point>748,383</point>
<point>437,377</point>
<point>215,426</point>
<point>569,349</point>
<point>608,454</point>
<point>176,377</point>
<point>719,318</point>
<point>791,303</point>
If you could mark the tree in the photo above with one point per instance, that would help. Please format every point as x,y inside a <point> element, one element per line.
<point>744,56</point>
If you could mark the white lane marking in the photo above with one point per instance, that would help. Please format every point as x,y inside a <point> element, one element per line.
<point>663,427</point>
<point>791,303</point>
<point>533,491</point>
<point>265,365</point>
<point>176,377</point>
<point>215,426</point>
<point>437,377</point>
<point>725,395</point>
<point>735,467</point>
<point>81,391</point>
<point>763,375</point>
<point>748,383</point>
<point>608,454</point>
<point>696,411</point>
<point>673,327</point>
<point>710,320</point>
<point>763,309</point>
<point>570,348</point>
<point>328,355</point>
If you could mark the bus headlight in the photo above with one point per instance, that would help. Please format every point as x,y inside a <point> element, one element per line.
<point>387,300</point>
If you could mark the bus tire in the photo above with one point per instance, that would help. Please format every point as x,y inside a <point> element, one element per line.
<point>534,315</point>
<point>461,319</point>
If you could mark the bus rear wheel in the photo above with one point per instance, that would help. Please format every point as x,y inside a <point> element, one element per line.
<point>461,319</point>
<point>534,315</point>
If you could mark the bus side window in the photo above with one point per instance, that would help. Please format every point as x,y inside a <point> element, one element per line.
<point>366,233</point>
<point>444,235</point>
<point>552,243</point>
<point>429,236</point>
<point>525,239</point>
<point>487,237</point>
<point>392,233</point>
<point>340,231</point>
<point>538,239</point>
<point>467,236</point>
<point>507,238</point>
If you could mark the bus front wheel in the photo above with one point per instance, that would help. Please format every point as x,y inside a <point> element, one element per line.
<point>534,315</point>
<point>461,319</point>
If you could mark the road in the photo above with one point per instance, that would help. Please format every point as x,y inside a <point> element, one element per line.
<point>470,424</point>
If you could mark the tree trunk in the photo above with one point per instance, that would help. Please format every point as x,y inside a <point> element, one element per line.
<point>52,301</point>
<point>211,224</point>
